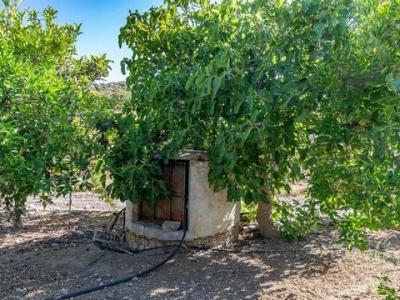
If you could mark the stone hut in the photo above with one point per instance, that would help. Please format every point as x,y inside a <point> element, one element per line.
<point>207,215</point>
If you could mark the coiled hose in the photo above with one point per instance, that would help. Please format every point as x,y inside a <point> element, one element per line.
<point>123,279</point>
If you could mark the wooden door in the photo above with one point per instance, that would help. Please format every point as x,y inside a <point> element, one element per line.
<point>174,207</point>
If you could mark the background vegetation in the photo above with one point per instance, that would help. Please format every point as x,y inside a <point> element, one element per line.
<point>274,91</point>
<point>46,108</point>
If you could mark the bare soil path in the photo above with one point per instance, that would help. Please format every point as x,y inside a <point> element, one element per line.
<point>53,254</point>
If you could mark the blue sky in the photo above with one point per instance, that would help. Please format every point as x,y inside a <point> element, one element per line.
<point>101,21</point>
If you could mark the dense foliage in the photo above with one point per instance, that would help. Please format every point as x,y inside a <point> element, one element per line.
<point>354,163</point>
<point>273,91</point>
<point>45,146</point>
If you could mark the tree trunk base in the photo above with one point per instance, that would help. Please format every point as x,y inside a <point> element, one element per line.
<point>265,223</point>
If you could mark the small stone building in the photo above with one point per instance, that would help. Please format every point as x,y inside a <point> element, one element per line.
<point>208,217</point>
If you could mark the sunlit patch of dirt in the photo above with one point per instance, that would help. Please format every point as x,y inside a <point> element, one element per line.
<point>53,254</point>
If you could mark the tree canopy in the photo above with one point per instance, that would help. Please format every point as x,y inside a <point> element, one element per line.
<point>274,91</point>
<point>44,98</point>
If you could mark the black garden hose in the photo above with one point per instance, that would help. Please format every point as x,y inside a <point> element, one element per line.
<point>116,217</point>
<point>123,279</point>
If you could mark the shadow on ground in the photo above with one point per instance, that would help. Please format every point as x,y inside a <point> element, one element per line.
<point>53,255</point>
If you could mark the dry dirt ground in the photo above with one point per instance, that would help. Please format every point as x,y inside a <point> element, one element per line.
<point>53,254</point>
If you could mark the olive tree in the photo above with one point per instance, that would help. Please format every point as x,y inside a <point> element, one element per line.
<point>274,91</point>
<point>45,146</point>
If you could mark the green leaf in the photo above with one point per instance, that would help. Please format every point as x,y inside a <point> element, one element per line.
<point>216,85</point>
<point>395,84</point>
<point>238,103</point>
<point>319,29</point>
<point>189,83</point>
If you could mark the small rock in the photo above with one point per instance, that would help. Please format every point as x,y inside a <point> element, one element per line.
<point>170,225</point>
<point>80,232</point>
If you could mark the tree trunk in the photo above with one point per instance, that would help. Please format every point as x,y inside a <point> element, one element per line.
<point>264,219</point>
<point>17,214</point>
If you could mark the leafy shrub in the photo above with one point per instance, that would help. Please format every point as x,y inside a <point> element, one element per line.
<point>296,221</point>
<point>248,212</point>
<point>387,290</point>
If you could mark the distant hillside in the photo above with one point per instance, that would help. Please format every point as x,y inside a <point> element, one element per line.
<point>113,90</point>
